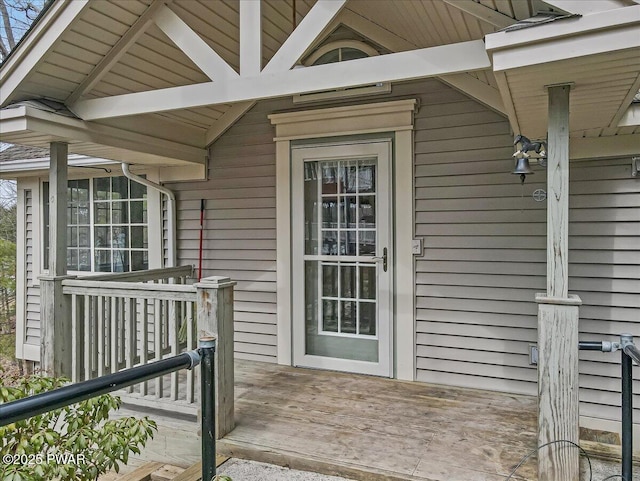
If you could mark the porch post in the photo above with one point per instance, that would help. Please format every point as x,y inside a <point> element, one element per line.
<point>55,311</point>
<point>215,318</point>
<point>558,313</point>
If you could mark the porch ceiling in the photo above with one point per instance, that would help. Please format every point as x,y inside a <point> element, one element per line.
<point>598,54</point>
<point>112,49</point>
<point>116,47</point>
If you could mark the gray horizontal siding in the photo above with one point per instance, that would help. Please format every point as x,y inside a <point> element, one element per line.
<point>604,270</point>
<point>484,256</point>
<point>240,226</point>
<point>32,308</point>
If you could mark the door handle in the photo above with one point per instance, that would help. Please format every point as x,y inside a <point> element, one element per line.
<point>382,258</point>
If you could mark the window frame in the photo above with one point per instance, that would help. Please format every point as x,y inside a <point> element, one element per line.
<point>155,238</point>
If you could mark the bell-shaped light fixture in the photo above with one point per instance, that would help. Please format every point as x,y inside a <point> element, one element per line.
<point>522,168</point>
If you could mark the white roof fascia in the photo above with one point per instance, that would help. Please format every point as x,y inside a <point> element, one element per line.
<point>423,63</point>
<point>567,48</point>
<point>631,117</point>
<point>612,19</point>
<point>482,12</point>
<point>28,165</point>
<point>40,40</point>
<point>25,118</point>
<point>586,7</point>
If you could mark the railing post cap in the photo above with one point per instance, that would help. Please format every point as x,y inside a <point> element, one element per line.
<point>214,282</point>
<point>207,342</point>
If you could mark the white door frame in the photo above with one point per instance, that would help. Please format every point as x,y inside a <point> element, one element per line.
<point>381,150</point>
<point>394,117</point>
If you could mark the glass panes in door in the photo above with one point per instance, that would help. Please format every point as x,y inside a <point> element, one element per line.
<point>340,240</point>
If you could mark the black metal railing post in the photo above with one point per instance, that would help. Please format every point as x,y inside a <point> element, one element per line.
<point>207,348</point>
<point>627,408</point>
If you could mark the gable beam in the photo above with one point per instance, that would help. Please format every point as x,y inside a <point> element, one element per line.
<point>477,89</point>
<point>250,38</point>
<point>310,28</point>
<point>423,63</point>
<point>481,12</point>
<point>626,104</point>
<point>119,49</point>
<point>207,60</point>
<point>227,120</point>
<point>631,117</point>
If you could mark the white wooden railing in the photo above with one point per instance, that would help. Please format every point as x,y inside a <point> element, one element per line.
<point>127,319</point>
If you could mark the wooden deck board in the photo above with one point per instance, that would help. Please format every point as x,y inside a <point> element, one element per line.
<point>371,428</point>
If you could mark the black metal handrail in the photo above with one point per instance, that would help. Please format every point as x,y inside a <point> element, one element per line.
<point>48,401</point>
<point>630,353</point>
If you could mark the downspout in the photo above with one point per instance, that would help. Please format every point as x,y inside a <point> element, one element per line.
<point>171,210</point>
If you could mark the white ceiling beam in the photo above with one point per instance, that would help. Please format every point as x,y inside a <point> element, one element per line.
<point>374,32</point>
<point>507,101</point>
<point>117,51</point>
<point>20,119</point>
<point>599,147</point>
<point>29,53</point>
<point>309,29</point>
<point>428,62</point>
<point>481,12</point>
<point>631,116</point>
<point>227,120</point>
<point>250,38</point>
<point>207,60</point>
<point>477,89</point>
<point>585,7</point>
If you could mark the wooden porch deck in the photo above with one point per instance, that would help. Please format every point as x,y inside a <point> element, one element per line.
<point>369,428</point>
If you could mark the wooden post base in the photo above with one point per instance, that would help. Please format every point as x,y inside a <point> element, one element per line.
<point>558,418</point>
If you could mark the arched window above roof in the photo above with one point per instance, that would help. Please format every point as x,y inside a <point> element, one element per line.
<point>340,51</point>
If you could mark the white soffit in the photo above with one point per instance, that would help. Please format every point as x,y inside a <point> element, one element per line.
<point>599,54</point>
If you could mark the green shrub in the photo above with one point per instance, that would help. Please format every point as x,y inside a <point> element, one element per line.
<point>78,442</point>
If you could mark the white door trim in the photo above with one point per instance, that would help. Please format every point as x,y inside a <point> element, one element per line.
<point>393,117</point>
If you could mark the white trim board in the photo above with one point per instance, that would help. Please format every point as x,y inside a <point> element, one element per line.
<point>390,117</point>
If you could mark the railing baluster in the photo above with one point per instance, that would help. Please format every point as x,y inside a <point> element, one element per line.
<point>175,328</point>
<point>129,333</point>
<point>88,346</point>
<point>157,345</point>
<point>144,344</point>
<point>102,339</point>
<point>122,341</point>
<point>75,341</point>
<point>113,334</point>
<point>190,346</point>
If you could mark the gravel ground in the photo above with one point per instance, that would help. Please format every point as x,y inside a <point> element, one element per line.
<point>243,470</point>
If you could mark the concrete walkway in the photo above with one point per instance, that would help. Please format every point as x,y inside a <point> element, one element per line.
<point>243,470</point>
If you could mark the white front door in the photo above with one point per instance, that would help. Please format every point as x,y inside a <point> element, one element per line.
<point>342,279</point>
